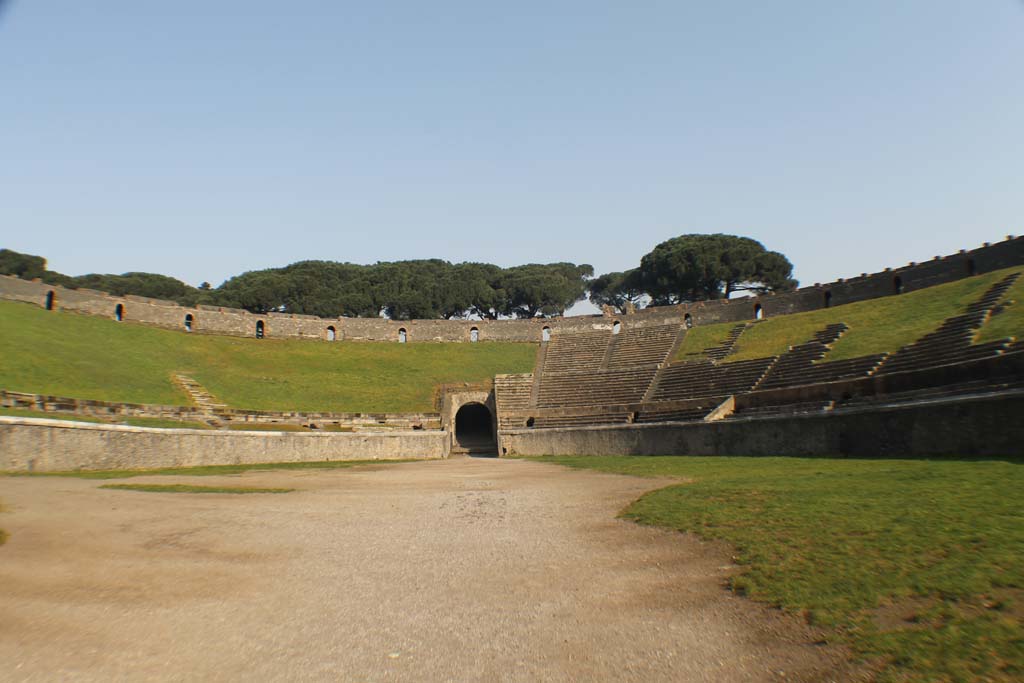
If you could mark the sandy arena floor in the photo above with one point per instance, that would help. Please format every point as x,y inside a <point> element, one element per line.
<point>460,570</point>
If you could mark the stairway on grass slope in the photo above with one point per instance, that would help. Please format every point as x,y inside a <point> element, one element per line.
<point>951,342</point>
<point>203,399</point>
<point>792,367</point>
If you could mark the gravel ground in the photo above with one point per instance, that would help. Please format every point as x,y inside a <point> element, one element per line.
<point>459,570</point>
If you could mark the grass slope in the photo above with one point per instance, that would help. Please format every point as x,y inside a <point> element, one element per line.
<point>88,357</point>
<point>1009,322</point>
<point>915,564</point>
<point>699,339</point>
<point>879,325</point>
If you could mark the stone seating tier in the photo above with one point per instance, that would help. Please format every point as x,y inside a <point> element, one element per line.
<point>791,366</point>
<point>963,389</point>
<point>915,359</point>
<point>691,414</point>
<point>601,387</point>
<point>727,346</point>
<point>697,379</point>
<point>642,345</point>
<point>802,408</point>
<point>512,392</point>
<point>831,371</point>
<point>580,351</point>
<point>555,421</point>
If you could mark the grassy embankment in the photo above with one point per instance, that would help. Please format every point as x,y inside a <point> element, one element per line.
<point>78,356</point>
<point>876,326</point>
<point>1010,321</point>
<point>915,565</point>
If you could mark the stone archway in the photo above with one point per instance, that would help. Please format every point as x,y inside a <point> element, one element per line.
<point>474,430</point>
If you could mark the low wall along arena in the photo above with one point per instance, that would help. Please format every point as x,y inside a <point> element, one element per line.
<point>971,428</point>
<point>40,445</point>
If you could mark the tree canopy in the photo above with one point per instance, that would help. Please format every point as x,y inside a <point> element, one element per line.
<point>404,290</point>
<point>25,266</point>
<point>684,268</point>
<point>618,290</point>
<point>700,267</point>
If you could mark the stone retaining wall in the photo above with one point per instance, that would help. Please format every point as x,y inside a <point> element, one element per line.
<point>989,426</point>
<point>39,445</point>
<point>236,322</point>
<point>113,409</point>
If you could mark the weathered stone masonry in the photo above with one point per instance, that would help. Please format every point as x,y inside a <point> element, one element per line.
<point>236,322</point>
<point>39,445</point>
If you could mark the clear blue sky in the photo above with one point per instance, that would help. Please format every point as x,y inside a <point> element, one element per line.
<point>203,139</point>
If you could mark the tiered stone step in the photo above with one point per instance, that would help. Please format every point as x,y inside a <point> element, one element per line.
<point>583,420</point>
<point>802,408</point>
<point>697,379</point>
<point>693,413</point>
<point>642,345</point>
<point>601,387</point>
<point>576,351</point>
<point>203,399</point>
<point>951,342</point>
<point>831,371</point>
<point>512,392</point>
<point>792,366</point>
<point>976,387</point>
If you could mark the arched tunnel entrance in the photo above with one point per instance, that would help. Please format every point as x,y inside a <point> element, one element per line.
<point>474,431</point>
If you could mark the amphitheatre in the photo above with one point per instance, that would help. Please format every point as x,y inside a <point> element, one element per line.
<point>411,517</point>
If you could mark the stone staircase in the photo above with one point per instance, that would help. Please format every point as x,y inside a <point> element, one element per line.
<point>791,367</point>
<point>698,379</point>
<point>203,399</point>
<point>728,345</point>
<point>512,393</point>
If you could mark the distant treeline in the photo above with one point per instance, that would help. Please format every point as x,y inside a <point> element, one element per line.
<point>685,268</point>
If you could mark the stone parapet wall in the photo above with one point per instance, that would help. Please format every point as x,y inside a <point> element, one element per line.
<point>236,322</point>
<point>93,408</point>
<point>39,445</point>
<point>988,426</point>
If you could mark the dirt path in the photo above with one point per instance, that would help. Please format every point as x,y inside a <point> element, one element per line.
<point>461,570</point>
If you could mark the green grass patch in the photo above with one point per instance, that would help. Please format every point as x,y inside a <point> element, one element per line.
<point>914,564</point>
<point>700,339</point>
<point>876,326</point>
<point>80,356</point>
<point>205,470</point>
<point>1009,322</point>
<point>188,488</point>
